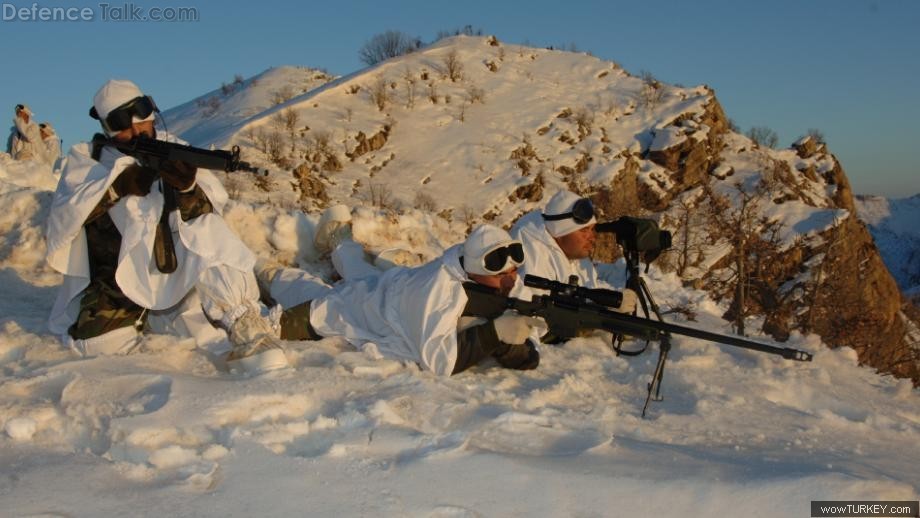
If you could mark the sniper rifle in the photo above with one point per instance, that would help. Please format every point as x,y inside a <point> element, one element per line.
<point>569,308</point>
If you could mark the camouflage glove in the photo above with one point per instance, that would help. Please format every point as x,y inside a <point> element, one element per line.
<point>518,356</point>
<point>134,180</point>
<point>179,174</point>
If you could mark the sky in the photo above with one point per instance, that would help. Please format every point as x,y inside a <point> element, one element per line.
<point>849,68</point>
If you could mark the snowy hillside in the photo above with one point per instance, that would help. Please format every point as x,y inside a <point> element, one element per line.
<point>166,431</point>
<point>893,223</point>
<point>222,110</point>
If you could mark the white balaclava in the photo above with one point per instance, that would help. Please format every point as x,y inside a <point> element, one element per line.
<point>481,241</point>
<point>561,203</point>
<point>114,93</point>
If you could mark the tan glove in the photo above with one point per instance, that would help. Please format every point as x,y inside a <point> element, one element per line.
<point>629,302</point>
<point>512,328</point>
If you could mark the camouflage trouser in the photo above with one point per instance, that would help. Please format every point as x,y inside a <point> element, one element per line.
<point>295,323</point>
<point>105,308</point>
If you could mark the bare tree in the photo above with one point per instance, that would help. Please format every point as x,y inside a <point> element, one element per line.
<point>689,237</point>
<point>380,195</point>
<point>651,94</point>
<point>763,136</point>
<point>284,94</point>
<point>817,135</point>
<point>386,45</point>
<point>468,215</point>
<point>274,148</point>
<point>584,118</point>
<point>288,119</point>
<point>379,94</point>
<point>755,244</point>
<point>424,201</point>
<point>410,88</point>
<point>453,68</point>
<point>475,94</point>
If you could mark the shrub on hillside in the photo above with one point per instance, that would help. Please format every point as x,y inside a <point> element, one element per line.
<point>386,45</point>
<point>763,136</point>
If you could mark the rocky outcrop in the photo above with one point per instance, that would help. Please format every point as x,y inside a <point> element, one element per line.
<point>843,194</point>
<point>836,287</point>
<point>312,189</point>
<point>689,149</point>
<point>857,303</point>
<point>366,145</point>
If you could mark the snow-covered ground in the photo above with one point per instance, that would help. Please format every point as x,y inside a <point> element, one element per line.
<point>164,432</point>
<point>893,224</point>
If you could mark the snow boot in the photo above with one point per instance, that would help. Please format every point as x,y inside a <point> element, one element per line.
<point>333,228</point>
<point>256,349</point>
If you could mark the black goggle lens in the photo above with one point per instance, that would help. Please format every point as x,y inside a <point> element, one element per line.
<point>582,212</point>
<point>495,260</point>
<point>122,118</point>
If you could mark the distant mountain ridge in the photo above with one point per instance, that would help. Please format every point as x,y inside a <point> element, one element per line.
<point>894,226</point>
<point>476,130</point>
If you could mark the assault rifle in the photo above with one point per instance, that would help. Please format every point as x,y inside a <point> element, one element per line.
<point>155,154</point>
<point>152,151</point>
<point>568,308</point>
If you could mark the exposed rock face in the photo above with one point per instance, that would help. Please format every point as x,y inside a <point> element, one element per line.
<point>366,145</point>
<point>312,190</point>
<point>837,287</point>
<point>858,303</point>
<point>843,195</point>
<point>689,148</point>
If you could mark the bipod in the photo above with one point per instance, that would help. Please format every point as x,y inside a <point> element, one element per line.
<point>664,348</point>
<point>635,282</point>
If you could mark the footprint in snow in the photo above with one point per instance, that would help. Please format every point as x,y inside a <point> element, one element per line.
<point>524,434</point>
<point>118,396</point>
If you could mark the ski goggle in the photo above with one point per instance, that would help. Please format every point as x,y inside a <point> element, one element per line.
<point>582,212</point>
<point>122,118</point>
<point>495,260</point>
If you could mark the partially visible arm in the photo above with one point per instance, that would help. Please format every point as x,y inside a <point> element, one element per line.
<point>479,342</point>
<point>475,344</point>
